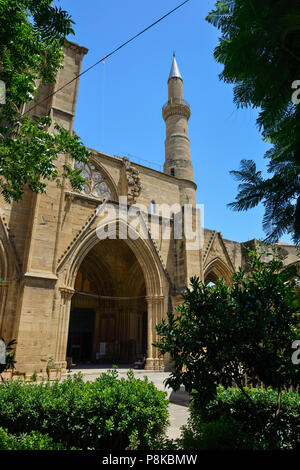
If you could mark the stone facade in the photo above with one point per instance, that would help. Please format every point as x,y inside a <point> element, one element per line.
<point>68,293</point>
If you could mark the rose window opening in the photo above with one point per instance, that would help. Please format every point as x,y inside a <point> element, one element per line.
<point>96,184</point>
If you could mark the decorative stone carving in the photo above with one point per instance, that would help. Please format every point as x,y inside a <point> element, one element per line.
<point>79,234</point>
<point>66,293</point>
<point>97,184</point>
<point>134,186</point>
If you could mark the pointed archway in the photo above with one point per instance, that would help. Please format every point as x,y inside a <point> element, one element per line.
<point>215,270</point>
<point>147,281</point>
<point>9,275</point>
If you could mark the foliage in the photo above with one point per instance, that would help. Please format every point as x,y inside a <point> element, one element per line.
<point>222,434</point>
<point>232,404</point>
<point>10,362</point>
<point>51,363</point>
<point>32,33</point>
<point>109,413</point>
<point>220,333</point>
<point>34,376</point>
<point>259,49</point>
<point>168,444</point>
<point>32,441</point>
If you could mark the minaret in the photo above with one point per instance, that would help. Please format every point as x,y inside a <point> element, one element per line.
<point>176,113</point>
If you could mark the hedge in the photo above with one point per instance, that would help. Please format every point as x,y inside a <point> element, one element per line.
<point>222,434</point>
<point>232,409</point>
<point>108,413</point>
<point>33,441</point>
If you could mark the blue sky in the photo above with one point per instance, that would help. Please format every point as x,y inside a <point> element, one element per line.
<point>119,103</point>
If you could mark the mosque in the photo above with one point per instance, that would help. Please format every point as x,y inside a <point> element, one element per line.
<point>81,278</point>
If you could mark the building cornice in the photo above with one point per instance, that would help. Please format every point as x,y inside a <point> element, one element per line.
<point>75,47</point>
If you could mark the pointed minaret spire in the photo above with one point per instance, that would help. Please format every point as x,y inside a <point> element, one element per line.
<point>174,69</point>
<point>176,113</point>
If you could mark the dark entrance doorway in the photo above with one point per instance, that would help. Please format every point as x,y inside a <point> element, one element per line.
<point>80,341</point>
<point>108,320</point>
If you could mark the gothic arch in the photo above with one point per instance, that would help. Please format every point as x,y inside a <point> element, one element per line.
<point>155,282</point>
<point>7,285</point>
<point>4,271</point>
<point>149,262</point>
<point>9,263</point>
<point>9,272</point>
<point>217,269</point>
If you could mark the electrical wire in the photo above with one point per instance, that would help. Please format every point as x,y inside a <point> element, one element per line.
<point>108,55</point>
<point>108,297</point>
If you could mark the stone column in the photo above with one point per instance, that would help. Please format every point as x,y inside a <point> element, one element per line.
<point>155,313</point>
<point>149,361</point>
<point>63,327</point>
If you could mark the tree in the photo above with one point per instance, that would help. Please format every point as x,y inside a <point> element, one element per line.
<point>32,33</point>
<point>259,48</point>
<point>220,333</point>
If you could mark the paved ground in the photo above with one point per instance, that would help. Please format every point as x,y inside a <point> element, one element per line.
<point>178,407</point>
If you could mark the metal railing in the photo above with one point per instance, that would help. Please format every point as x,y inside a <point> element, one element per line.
<point>176,101</point>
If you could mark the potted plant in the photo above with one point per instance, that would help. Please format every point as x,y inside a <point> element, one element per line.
<point>7,362</point>
<point>53,372</point>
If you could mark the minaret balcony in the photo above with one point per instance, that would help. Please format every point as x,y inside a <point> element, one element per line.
<point>176,106</point>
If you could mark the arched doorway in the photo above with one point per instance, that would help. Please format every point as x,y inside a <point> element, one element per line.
<point>153,276</point>
<point>108,315</point>
<point>215,270</point>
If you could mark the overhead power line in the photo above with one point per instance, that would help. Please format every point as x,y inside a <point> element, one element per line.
<point>108,55</point>
<point>108,297</point>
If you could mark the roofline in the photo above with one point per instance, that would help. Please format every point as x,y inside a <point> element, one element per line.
<point>73,45</point>
<point>165,175</point>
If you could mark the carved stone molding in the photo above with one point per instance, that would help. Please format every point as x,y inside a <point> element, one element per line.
<point>80,234</point>
<point>154,298</point>
<point>66,292</point>
<point>175,110</point>
<point>134,186</point>
<point>9,239</point>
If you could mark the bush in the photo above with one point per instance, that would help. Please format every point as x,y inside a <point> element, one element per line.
<point>33,441</point>
<point>105,414</point>
<point>222,434</point>
<point>233,405</point>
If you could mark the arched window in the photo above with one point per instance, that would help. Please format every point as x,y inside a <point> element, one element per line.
<point>152,207</point>
<point>97,185</point>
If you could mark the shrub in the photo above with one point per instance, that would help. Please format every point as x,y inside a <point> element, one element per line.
<point>234,405</point>
<point>33,441</point>
<point>109,413</point>
<point>222,434</point>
